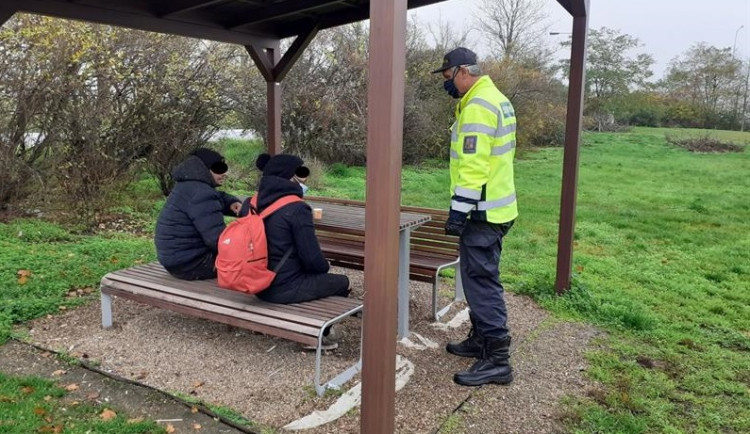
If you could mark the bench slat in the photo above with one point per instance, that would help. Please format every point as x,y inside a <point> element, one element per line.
<point>252,307</point>
<point>128,290</point>
<point>306,336</point>
<point>239,297</point>
<point>321,312</point>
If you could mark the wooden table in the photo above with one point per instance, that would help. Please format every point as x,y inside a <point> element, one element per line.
<point>351,219</point>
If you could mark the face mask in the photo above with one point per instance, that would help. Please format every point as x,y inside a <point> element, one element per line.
<point>450,86</point>
<point>304,188</point>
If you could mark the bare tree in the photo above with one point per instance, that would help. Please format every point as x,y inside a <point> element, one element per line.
<point>515,28</point>
<point>444,36</point>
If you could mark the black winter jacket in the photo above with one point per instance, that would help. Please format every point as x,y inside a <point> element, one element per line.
<point>289,227</point>
<point>193,216</point>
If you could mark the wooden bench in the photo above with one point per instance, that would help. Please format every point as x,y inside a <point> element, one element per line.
<point>301,322</point>
<point>431,251</point>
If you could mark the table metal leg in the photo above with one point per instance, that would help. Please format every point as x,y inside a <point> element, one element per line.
<point>403,283</point>
<point>106,310</point>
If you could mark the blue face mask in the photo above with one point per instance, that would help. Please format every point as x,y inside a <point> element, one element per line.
<point>304,188</point>
<point>450,85</point>
<point>451,88</point>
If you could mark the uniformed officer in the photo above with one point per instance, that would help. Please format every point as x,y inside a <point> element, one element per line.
<point>483,209</point>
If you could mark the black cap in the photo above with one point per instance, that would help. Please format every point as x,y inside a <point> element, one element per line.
<point>282,165</point>
<point>457,57</point>
<point>212,159</point>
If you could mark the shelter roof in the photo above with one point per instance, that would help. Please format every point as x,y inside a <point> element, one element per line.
<point>237,21</point>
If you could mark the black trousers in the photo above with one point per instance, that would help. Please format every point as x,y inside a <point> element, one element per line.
<point>201,268</point>
<point>309,287</point>
<point>481,245</point>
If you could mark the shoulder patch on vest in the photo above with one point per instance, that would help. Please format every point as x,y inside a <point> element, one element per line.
<point>470,145</point>
<point>507,109</point>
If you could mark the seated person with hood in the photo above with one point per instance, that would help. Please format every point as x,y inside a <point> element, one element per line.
<point>304,275</point>
<point>189,225</point>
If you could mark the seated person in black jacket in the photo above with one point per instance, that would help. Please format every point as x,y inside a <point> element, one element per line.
<point>188,228</point>
<point>304,275</point>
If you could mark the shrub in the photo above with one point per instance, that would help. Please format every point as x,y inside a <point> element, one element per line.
<point>703,144</point>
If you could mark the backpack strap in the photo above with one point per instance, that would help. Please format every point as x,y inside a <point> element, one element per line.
<point>280,203</point>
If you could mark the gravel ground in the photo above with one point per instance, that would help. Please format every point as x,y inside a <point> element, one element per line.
<point>268,380</point>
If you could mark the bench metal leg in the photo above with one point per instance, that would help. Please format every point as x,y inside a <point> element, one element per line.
<point>403,283</point>
<point>343,377</point>
<point>459,284</point>
<point>437,313</point>
<point>106,310</point>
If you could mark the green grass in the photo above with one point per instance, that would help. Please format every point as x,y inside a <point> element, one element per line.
<point>662,263</point>
<point>43,266</point>
<point>34,405</point>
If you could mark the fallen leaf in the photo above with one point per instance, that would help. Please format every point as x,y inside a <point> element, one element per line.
<point>197,426</point>
<point>92,395</point>
<point>135,420</point>
<point>141,375</point>
<point>47,398</point>
<point>74,403</point>
<point>169,428</point>
<point>23,276</point>
<point>193,409</point>
<point>39,411</point>
<point>46,354</point>
<point>198,384</point>
<point>108,414</point>
<point>27,390</point>
<point>62,307</point>
<point>71,387</point>
<point>59,372</point>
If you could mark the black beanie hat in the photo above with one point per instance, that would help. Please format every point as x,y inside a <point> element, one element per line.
<point>282,165</point>
<point>212,159</point>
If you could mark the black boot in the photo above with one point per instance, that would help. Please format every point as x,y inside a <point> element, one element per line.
<point>469,347</point>
<point>493,367</point>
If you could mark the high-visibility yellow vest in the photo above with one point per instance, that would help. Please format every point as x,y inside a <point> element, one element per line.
<point>483,144</point>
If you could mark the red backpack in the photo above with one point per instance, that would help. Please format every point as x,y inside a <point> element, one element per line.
<point>242,263</point>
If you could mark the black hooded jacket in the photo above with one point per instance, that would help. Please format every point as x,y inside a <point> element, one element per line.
<point>289,227</point>
<point>193,216</point>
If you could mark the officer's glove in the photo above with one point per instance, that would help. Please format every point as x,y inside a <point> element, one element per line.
<point>456,223</point>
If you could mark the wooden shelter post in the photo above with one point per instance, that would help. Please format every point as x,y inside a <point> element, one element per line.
<point>385,99</point>
<point>266,59</point>
<point>573,125</point>
<point>274,68</point>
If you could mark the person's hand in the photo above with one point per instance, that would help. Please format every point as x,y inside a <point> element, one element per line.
<point>236,207</point>
<point>456,223</point>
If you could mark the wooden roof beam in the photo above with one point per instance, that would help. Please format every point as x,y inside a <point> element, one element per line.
<point>294,52</point>
<point>284,9</point>
<point>151,23</point>
<point>276,72</point>
<point>576,8</point>
<point>174,7</point>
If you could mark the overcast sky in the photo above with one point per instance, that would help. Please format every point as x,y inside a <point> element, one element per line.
<point>666,28</point>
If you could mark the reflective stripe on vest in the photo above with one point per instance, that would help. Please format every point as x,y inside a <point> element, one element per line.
<point>464,207</point>
<point>500,150</point>
<point>468,193</point>
<point>497,203</point>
